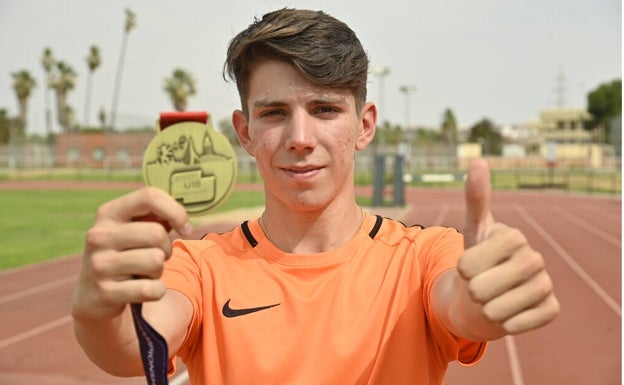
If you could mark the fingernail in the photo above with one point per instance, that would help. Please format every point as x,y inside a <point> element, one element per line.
<point>187,229</point>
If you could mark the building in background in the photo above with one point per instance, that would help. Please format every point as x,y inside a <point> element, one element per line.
<point>102,150</point>
<point>561,138</point>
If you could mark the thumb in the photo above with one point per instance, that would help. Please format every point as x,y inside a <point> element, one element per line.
<point>477,191</point>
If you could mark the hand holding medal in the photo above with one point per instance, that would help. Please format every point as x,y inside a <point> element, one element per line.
<point>196,165</point>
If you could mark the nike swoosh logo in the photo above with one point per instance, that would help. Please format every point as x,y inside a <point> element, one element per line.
<point>231,313</point>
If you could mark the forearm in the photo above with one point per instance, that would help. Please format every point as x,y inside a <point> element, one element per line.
<point>111,344</point>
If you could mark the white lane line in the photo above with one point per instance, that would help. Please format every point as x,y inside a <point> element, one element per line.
<point>35,331</point>
<point>589,228</point>
<point>37,265</point>
<point>514,361</point>
<point>180,379</point>
<point>440,218</point>
<point>567,258</point>
<point>37,289</point>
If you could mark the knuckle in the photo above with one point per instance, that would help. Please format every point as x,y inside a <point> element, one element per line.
<point>546,284</point>
<point>461,269</point>
<point>466,265</point>
<point>103,211</point>
<point>99,265</point>
<point>152,290</point>
<point>475,292</point>
<point>155,259</point>
<point>491,314</point>
<point>554,308</point>
<point>96,236</point>
<point>529,263</point>
<point>515,238</point>
<point>105,293</point>
<point>151,194</point>
<point>156,232</point>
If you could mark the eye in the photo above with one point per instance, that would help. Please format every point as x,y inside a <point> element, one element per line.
<point>272,113</point>
<point>327,110</point>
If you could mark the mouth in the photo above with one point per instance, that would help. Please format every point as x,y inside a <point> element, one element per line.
<point>301,172</point>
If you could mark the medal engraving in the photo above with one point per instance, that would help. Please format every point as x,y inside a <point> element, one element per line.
<point>192,162</point>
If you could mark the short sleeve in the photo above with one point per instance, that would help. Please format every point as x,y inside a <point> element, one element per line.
<point>182,273</point>
<point>441,252</point>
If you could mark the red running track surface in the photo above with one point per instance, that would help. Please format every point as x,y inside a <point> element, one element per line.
<point>579,236</point>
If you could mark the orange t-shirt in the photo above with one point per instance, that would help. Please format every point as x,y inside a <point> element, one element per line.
<point>359,314</point>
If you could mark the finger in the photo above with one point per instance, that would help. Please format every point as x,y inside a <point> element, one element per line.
<point>114,293</point>
<point>153,218</point>
<point>144,202</point>
<point>522,266</point>
<point>519,299</point>
<point>108,236</point>
<point>118,266</point>
<point>535,317</point>
<point>502,243</point>
<point>477,190</point>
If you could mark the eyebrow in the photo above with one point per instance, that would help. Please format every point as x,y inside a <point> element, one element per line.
<point>325,99</point>
<point>264,103</point>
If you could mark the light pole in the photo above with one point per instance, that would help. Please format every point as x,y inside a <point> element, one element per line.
<point>407,90</point>
<point>379,158</point>
<point>381,73</point>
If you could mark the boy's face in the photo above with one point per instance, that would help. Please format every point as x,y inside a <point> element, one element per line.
<point>303,136</point>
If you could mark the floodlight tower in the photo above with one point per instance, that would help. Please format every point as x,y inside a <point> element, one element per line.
<point>381,72</point>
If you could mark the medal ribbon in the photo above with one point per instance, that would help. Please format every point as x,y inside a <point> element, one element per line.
<point>154,352</point>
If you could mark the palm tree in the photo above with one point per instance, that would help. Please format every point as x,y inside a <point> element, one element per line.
<point>47,62</point>
<point>128,26</point>
<point>449,127</point>
<point>93,62</point>
<point>62,81</point>
<point>179,87</point>
<point>23,84</point>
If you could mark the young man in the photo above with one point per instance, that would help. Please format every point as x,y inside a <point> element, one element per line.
<point>315,291</point>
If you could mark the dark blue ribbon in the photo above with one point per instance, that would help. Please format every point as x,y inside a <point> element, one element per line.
<point>154,352</point>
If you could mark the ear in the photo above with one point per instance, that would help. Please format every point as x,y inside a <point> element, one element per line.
<point>241,126</point>
<point>368,126</point>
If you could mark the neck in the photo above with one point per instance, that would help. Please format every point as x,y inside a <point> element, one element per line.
<point>311,232</point>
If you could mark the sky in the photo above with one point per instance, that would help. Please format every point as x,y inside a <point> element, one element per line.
<point>500,60</point>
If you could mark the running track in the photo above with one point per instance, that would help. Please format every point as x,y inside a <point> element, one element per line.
<point>579,236</point>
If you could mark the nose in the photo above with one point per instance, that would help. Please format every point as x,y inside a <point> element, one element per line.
<point>301,132</point>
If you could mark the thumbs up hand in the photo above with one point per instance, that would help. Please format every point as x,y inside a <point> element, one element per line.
<point>504,278</point>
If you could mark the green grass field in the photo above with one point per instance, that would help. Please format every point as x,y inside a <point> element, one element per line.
<point>40,225</point>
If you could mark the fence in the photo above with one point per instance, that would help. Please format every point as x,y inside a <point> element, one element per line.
<point>39,161</point>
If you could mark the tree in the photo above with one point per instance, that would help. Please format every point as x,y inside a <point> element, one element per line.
<point>5,127</point>
<point>47,62</point>
<point>227,129</point>
<point>486,133</point>
<point>23,84</point>
<point>180,86</point>
<point>102,118</point>
<point>63,80</point>
<point>449,127</point>
<point>129,25</point>
<point>93,62</point>
<point>605,103</point>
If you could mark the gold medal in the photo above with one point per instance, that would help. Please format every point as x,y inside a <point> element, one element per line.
<point>191,161</point>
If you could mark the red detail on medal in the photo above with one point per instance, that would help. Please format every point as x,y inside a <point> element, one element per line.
<point>173,117</point>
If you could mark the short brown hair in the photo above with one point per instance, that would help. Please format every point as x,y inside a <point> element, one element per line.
<point>323,49</point>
